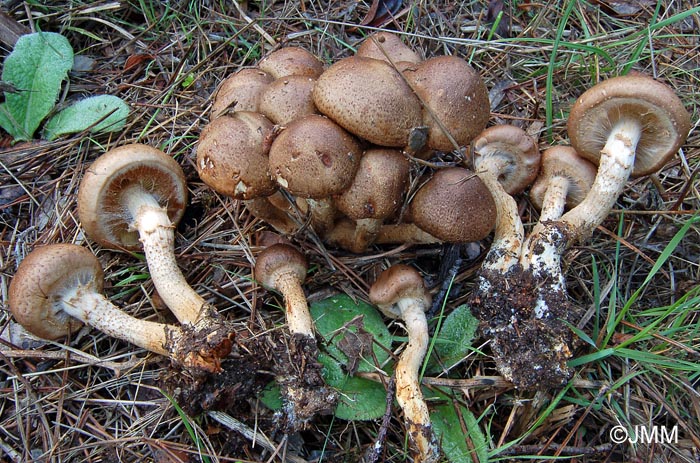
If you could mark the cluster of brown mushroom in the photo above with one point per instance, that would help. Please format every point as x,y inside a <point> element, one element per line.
<point>297,143</point>
<point>335,149</point>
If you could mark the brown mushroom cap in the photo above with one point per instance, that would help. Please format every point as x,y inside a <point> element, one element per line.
<point>43,278</point>
<point>456,95</point>
<point>664,120</point>
<point>370,99</point>
<point>564,161</point>
<point>454,206</point>
<point>232,155</point>
<point>288,98</point>
<point>378,187</point>
<point>291,61</point>
<point>279,258</point>
<point>398,282</point>
<point>314,158</point>
<point>240,91</point>
<point>391,44</point>
<point>513,150</point>
<point>100,203</point>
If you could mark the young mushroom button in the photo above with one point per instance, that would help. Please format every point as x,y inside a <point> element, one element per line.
<point>58,287</point>
<point>629,126</point>
<point>399,292</point>
<point>131,198</point>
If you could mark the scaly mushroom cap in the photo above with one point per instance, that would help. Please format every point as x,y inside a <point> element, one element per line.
<point>100,206</point>
<point>43,278</point>
<point>276,259</point>
<point>513,150</point>
<point>378,187</point>
<point>391,44</point>
<point>664,120</point>
<point>564,161</point>
<point>314,158</point>
<point>369,99</point>
<point>288,98</point>
<point>232,156</point>
<point>240,91</point>
<point>454,206</point>
<point>456,95</point>
<point>398,282</point>
<point>291,61</point>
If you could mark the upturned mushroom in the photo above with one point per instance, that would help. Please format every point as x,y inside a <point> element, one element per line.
<point>131,198</point>
<point>58,288</point>
<point>281,267</point>
<point>507,160</point>
<point>399,292</point>
<point>376,193</point>
<point>232,159</point>
<point>314,158</point>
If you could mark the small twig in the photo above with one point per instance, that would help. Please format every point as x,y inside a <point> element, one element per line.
<point>566,450</point>
<point>117,367</point>
<point>372,453</point>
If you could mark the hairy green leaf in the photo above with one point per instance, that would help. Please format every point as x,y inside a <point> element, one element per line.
<point>36,67</point>
<point>102,113</point>
<point>354,332</point>
<point>454,341</point>
<point>449,420</point>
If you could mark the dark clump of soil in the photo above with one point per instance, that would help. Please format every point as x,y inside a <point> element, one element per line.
<point>299,375</point>
<point>530,348</point>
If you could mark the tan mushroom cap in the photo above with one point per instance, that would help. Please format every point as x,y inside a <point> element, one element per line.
<point>564,161</point>
<point>398,282</point>
<point>100,205</point>
<point>370,99</point>
<point>315,158</point>
<point>454,206</point>
<point>456,95</point>
<point>43,278</point>
<point>232,155</point>
<point>378,187</point>
<point>391,44</point>
<point>514,150</point>
<point>664,120</point>
<point>288,98</point>
<point>279,258</point>
<point>291,61</point>
<point>240,91</point>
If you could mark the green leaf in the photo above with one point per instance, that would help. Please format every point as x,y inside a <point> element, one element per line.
<point>36,67</point>
<point>458,447</point>
<point>102,113</point>
<point>348,329</point>
<point>454,341</point>
<point>359,398</point>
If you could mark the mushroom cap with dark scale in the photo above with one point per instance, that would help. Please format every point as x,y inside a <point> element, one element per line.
<point>664,120</point>
<point>391,44</point>
<point>100,203</point>
<point>43,279</point>
<point>398,282</point>
<point>279,258</point>
<point>291,61</point>
<point>369,99</point>
<point>288,98</point>
<point>564,161</point>
<point>454,206</point>
<point>240,91</point>
<point>313,157</point>
<point>232,155</point>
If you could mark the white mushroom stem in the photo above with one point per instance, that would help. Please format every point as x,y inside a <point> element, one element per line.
<point>296,308</point>
<point>554,200</point>
<point>509,233</point>
<point>408,392</point>
<point>157,235</point>
<point>97,311</point>
<point>614,169</point>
